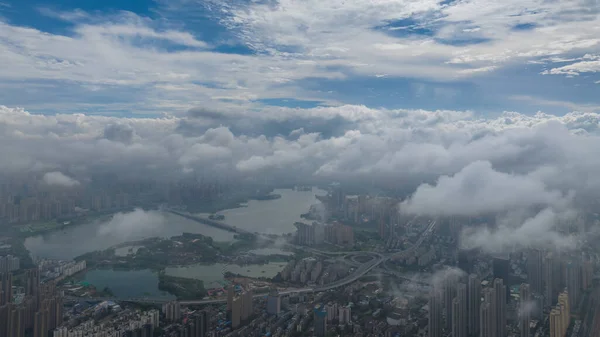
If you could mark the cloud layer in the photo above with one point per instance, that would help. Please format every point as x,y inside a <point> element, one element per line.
<point>535,172</point>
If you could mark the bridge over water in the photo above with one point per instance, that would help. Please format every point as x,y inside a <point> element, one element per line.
<point>209,222</point>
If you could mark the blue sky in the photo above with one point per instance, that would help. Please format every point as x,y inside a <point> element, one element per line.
<point>148,57</point>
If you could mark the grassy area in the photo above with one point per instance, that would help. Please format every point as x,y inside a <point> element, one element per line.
<point>182,288</point>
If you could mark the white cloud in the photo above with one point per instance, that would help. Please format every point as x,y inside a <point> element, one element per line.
<point>575,68</point>
<point>133,225</point>
<point>59,179</point>
<point>478,189</point>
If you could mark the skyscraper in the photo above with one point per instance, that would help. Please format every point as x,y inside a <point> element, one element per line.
<point>449,295</point>
<point>201,324</point>
<point>534,271</point>
<point>500,304</point>
<point>274,303</point>
<point>320,320</point>
<point>485,320</point>
<point>573,280</point>
<point>247,305</point>
<point>6,288</point>
<point>549,280</point>
<point>474,302</point>
<point>40,325</point>
<point>525,309</point>
<point>560,316</point>
<point>488,315</point>
<point>32,279</point>
<point>501,269</point>
<point>236,312</point>
<point>587,273</point>
<point>435,313</point>
<point>459,312</point>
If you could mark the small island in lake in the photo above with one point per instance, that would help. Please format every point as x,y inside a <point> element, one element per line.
<point>266,197</point>
<point>219,217</point>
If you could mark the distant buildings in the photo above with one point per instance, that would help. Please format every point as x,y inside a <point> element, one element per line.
<point>315,234</point>
<point>9,263</point>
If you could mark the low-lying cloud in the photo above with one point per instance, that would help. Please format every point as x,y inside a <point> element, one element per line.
<point>135,225</point>
<point>59,179</point>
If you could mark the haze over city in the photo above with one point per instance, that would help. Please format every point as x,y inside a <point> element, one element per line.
<point>299,168</point>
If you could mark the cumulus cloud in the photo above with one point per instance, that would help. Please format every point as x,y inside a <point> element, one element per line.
<point>59,179</point>
<point>478,189</point>
<point>544,230</point>
<point>133,225</point>
<point>119,133</point>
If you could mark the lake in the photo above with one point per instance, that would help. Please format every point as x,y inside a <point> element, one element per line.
<point>99,235</point>
<point>267,216</point>
<point>126,283</point>
<point>212,275</point>
<point>273,216</point>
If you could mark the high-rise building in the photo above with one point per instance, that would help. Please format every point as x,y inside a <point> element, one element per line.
<point>501,270</point>
<point>449,295</point>
<point>488,314</point>
<point>459,312</point>
<point>474,302</point>
<point>172,311</point>
<point>435,313</point>
<point>230,293</point>
<point>247,305</point>
<point>500,290</point>
<point>5,311</point>
<point>40,326</point>
<point>199,324</point>
<point>32,282</point>
<point>565,308</point>
<point>560,317</point>
<point>525,309</point>
<point>236,312</point>
<point>485,320</point>
<point>345,315</point>
<point>5,288</point>
<point>274,303</point>
<point>535,271</point>
<point>16,327</point>
<point>550,281</point>
<point>320,320</point>
<point>587,273</point>
<point>573,280</point>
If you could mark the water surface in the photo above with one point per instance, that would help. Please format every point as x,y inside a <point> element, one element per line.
<point>126,283</point>
<point>273,216</point>
<point>99,235</point>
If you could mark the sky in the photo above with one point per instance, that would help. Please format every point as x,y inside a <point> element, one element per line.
<point>155,57</point>
<point>478,107</point>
